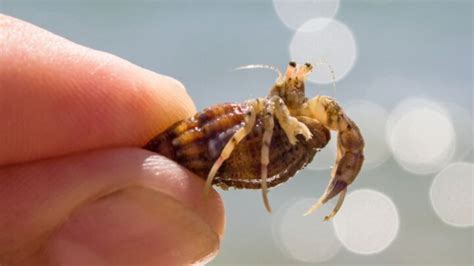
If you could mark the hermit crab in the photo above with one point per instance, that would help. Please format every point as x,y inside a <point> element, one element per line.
<point>263,142</point>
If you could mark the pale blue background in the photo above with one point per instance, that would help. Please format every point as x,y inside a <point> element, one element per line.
<point>200,42</point>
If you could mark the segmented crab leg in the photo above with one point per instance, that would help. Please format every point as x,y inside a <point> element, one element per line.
<point>268,124</point>
<point>350,149</point>
<point>292,128</point>
<point>255,106</point>
<point>288,123</point>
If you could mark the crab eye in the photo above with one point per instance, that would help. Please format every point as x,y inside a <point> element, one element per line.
<point>308,65</point>
<point>292,63</point>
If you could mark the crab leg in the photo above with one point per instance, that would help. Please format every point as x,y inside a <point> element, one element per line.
<point>288,123</point>
<point>350,145</point>
<point>268,124</point>
<point>255,106</point>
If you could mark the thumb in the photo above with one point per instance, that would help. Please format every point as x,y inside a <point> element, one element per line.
<point>117,207</point>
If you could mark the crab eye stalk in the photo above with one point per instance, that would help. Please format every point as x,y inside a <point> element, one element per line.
<point>303,71</point>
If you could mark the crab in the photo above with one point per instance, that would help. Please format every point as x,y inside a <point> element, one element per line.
<point>263,142</point>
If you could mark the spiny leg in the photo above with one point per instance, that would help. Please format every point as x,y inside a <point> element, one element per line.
<point>288,123</point>
<point>255,106</point>
<point>268,124</point>
<point>350,149</point>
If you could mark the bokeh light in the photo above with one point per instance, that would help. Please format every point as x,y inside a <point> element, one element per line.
<point>371,119</point>
<point>325,40</point>
<point>367,223</point>
<point>294,13</point>
<point>305,238</point>
<point>421,136</point>
<point>452,193</point>
<point>463,127</point>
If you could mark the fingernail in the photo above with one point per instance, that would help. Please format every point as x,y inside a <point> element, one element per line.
<point>136,226</point>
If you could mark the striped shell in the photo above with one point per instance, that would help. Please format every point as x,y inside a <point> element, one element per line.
<point>197,142</point>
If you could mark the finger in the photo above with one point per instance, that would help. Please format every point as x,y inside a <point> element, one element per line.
<point>119,205</point>
<point>57,97</point>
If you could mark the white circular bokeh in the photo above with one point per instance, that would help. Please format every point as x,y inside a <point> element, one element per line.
<point>463,127</point>
<point>371,119</point>
<point>305,238</point>
<point>452,193</point>
<point>324,40</point>
<point>294,13</point>
<point>367,223</point>
<point>421,136</point>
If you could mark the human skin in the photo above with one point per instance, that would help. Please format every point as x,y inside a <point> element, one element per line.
<point>75,186</point>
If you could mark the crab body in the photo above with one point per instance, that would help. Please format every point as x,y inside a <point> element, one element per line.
<point>263,142</point>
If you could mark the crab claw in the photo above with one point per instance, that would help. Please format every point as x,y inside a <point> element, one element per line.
<point>350,149</point>
<point>334,188</point>
<point>351,164</point>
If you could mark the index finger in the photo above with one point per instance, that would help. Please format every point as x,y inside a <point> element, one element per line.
<point>57,97</point>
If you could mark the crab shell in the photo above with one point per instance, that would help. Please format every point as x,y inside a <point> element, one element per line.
<point>197,143</point>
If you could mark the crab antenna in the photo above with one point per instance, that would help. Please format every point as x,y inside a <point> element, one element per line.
<point>329,66</point>
<point>260,66</point>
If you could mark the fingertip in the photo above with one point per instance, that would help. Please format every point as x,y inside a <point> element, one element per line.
<point>164,111</point>
<point>169,177</point>
<point>59,97</point>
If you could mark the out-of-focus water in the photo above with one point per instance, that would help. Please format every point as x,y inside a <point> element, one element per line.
<point>403,69</point>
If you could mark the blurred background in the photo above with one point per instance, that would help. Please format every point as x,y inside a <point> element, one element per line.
<point>403,71</point>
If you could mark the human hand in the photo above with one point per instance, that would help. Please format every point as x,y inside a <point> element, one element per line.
<point>74,187</point>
